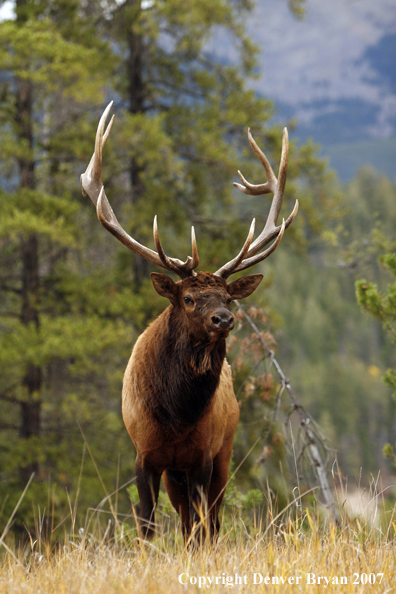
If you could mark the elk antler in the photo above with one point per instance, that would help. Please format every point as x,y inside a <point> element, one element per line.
<point>249,253</point>
<point>92,185</point>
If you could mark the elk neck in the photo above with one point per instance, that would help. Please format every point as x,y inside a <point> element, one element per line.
<point>185,373</point>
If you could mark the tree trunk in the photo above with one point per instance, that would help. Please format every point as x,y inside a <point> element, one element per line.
<point>136,105</point>
<point>31,403</point>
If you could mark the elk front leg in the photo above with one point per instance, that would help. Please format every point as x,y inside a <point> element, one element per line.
<point>148,483</point>
<point>198,481</point>
<point>218,485</point>
<point>176,486</point>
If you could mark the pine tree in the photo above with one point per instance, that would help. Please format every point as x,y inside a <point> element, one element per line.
<point>183,109</point>
<point>373,297</point>
<point>51,323</point>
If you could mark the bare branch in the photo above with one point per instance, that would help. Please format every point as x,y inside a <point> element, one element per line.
<point>312,446</point>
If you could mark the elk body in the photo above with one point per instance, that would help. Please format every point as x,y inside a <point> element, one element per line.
<point>178,402</point>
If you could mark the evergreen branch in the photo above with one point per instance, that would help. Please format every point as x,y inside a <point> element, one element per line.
<point>5,426</point>
<point>179,89</point>
<point>9,399</point>
<point>155,106</point>
<point>199,159</point>
<point>5,287</point>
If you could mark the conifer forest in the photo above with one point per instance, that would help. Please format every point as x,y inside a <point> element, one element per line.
<point>73,300</point>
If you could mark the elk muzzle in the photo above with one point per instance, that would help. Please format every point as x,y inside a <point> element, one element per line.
<point>222,320</point>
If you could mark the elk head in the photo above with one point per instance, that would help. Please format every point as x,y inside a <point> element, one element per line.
<point>204,300</point>
<point>200,295</point>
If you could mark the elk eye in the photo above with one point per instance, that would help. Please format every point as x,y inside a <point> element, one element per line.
<point>229,300</point>
<point>187,300</point>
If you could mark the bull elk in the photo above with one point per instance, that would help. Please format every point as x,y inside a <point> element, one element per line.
<point>178,402</point>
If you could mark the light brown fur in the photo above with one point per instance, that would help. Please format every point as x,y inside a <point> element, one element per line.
<point>178,401</point>
<point>217,426</point>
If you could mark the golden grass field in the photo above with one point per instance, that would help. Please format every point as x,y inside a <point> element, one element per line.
<point>300,552</point>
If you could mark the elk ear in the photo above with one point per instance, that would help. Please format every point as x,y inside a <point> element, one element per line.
<point>165,286</point>
<point>243,287</point>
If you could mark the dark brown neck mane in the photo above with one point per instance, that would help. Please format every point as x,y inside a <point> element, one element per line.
<point>184,375</point>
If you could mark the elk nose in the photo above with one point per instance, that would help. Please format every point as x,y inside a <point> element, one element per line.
<point>224,320</point>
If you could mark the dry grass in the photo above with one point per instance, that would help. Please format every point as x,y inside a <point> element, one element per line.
<point>283,549</point>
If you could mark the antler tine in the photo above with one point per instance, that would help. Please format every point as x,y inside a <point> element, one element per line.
<point>91,181</point>
<point>271,230</point>
<point>92,178</point>
<point>251,189</point>
<point>167,262</point>
<point>259,257</point>
<point>183,269</point>
<point>228,268</point>
<point>164,258</point>
<point>194,248</point>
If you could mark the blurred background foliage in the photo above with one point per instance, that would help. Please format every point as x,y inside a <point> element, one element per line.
<point>73,301</point>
